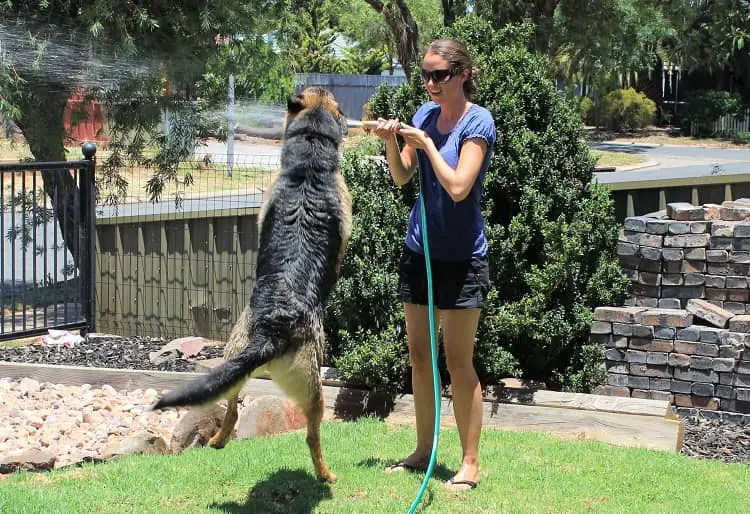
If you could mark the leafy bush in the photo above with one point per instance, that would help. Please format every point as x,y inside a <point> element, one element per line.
<point>364,320</point>
<point>627,109</point>
<point>707,106</point>
<point>552,234</point>
<point>585,107</point>
<point>703,107</point>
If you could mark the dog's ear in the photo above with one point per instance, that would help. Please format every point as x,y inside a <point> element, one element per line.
<point>294,104</point>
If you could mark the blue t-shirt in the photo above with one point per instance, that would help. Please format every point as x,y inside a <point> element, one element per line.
<point>455,229</point>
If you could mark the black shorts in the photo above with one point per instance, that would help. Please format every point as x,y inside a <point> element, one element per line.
<point>455,284</point>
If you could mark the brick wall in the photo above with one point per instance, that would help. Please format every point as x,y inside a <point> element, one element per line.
<point>684,334</point>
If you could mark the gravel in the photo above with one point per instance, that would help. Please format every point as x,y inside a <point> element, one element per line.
<point>705,438</point>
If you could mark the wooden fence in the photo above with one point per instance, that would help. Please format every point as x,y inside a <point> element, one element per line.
<point>726,126</point>
<point>176,274</point>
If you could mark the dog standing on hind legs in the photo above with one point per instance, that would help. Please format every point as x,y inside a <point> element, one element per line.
<point>305,224</point>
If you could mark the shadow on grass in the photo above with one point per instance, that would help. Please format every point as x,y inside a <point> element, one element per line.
<point>289,490</point>
<point>440,472</point>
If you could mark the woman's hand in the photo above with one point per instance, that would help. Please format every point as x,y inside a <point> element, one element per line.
<point>387,129</point>
<point>414,137</point>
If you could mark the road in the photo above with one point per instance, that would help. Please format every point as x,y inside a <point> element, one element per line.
<point>667,162</point>
<point>27,267</point>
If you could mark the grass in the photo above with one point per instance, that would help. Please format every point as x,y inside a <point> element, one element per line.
<point>605,158</point>
<point>522,473</point>
<point>208,177</point>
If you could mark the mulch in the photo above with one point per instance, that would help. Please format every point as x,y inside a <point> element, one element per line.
<point>116,352</point>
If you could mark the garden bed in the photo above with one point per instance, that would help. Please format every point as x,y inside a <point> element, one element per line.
<point>124,363</point>
<point>108,352</point>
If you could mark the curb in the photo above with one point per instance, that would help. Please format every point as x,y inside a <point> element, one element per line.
<point>642,166</point>
<point>630,143</point>
<point>635,167</point>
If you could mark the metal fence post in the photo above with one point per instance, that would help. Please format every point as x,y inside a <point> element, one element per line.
<point>88,236</point>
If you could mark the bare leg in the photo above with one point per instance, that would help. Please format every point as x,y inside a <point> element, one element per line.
<point>418,335</point>
<point>459,331</point>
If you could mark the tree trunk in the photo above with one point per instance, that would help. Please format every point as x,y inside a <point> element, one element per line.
<point>452,9</point>
<point>42,125</point>
<point>405,32</point>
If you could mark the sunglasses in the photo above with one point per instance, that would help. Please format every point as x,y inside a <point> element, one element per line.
<point>439,76</point>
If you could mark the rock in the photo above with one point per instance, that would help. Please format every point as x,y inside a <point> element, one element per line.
<point>192,345</point>
<point>197,427</point>
<point>141,443</point>
<point>207,365</point>
<point>29,386</point>
<point>167,353</point>
<point>29,460</point>
<point>269,415</point>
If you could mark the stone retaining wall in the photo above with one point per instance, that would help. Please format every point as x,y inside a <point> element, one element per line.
<point>684,334</point>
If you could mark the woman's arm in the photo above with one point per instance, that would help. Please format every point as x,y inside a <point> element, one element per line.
<point>400,163</point>
<point>457,183</point>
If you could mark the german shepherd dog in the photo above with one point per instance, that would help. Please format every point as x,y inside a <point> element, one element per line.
<point>305,224</point>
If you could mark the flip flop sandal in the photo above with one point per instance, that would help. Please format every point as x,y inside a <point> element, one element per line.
<point>470,483</point>
<point>404,466</point>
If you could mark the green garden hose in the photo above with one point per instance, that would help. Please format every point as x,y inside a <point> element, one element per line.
<point>433,349</point>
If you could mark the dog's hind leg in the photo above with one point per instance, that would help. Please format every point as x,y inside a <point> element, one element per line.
<point>219,440</point>
<point>238,339</point>
<point>298,374</point>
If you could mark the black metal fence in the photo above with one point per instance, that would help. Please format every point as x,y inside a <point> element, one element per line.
<point>47,226</point>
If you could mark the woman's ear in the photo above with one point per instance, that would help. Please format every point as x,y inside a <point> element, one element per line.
<point>294,104</point>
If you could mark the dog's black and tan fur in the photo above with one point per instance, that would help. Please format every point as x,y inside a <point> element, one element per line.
<point>305,224</point>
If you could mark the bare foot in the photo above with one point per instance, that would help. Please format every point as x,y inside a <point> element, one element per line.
<point>467,478</point>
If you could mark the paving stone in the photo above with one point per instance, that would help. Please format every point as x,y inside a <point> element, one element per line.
<point>676,318</point>
<point>617,314</point>
<point>740,323</point>
<point>706,311</point>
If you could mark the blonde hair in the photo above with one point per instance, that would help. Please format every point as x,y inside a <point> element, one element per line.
<point>458,56</point>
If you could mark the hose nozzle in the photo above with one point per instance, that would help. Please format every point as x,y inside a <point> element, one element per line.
<point>366,124</point>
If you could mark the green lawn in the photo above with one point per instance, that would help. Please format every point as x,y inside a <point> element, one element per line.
<point>522,473</point>
<point>605,158</point>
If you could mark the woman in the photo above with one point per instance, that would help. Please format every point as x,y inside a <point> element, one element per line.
<point>451,139</point>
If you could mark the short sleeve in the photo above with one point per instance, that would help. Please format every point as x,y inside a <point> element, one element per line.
<point>481,125</point>
<point>422,113</point>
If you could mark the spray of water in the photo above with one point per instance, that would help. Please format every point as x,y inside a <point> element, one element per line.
<point>65,58</point>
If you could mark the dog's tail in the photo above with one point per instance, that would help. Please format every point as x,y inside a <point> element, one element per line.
<point>264,347</point>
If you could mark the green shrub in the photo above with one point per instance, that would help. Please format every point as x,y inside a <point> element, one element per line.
<point>742,138</point>
<point>703,107</point>
<point>627,109</point>
<point>585,106</point>
<point>552,235</point>
<point>364,320</point>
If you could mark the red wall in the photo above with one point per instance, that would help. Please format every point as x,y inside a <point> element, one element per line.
<point>90,129</point>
